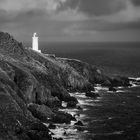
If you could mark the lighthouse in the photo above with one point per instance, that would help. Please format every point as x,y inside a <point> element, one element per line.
<point>35,43</point>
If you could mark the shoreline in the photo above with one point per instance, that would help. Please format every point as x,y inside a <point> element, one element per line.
<point>65,131</point>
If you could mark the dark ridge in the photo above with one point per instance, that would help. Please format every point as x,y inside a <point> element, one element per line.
<point>9,46</point>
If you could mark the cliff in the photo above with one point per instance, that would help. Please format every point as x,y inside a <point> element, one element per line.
<point>33,86</point>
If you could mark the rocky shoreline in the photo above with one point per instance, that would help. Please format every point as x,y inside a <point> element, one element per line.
<point>34,87</point>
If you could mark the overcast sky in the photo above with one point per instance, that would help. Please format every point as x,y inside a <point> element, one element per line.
<point>71,20</point>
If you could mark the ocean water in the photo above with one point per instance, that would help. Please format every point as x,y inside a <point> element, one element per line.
<point>113,116</point>
<point>111,58</point>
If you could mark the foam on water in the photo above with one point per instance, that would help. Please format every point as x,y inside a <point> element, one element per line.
<point>113,133</point>
<point>120,87</point>
<point>85,102</point>
<point>65,132</point>
<point>133,78</point>
<point>64,104</point>
<point>72,123</point>
<point>83,116</point>
<point>81,96</point>
<point>111,92</point>
<point>70,111</point>
<point>134,85</point>
<point>100,88</point>
<point>97,100</point>
<point>85,131</point>
<point>89,100</point>
<point>118,91</point>
<point>85,109</point>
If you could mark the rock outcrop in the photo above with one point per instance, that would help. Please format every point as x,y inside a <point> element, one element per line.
<point>33,86</point>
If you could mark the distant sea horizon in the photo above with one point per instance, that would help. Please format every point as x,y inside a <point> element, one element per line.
<point>113,58</point>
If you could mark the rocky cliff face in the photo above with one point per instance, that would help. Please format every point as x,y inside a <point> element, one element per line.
<point>33,86</point>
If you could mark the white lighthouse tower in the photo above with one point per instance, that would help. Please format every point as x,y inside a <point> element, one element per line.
<point>35,43</point>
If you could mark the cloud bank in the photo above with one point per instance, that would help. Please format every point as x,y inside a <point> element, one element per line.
<point>66,19</point>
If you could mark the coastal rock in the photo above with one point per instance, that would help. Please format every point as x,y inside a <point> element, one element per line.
<point>79,107</point>
<point>137,83</point>
<point>106,83</point>
<point>16,121</point>
<point>53,102</point>
<point>57,138</point>
<point>52,126</point>
<point>92,94</point>
<point>41,135</point>
<point>134,81</point>
<point>62,117</point>
<point>76,115</point>
<point>91,73</point>
<point>41,112</point>
<point>71,104</point>
<point>79,123</point>
<point>112,89</point>
<point>38,131</point>
<point>120,81</point>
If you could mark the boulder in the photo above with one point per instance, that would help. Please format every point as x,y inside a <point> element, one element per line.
<point>62,117</point>
<point>41,112</point>
<point>87,88</point>
<point>53,102</point>
<point>76,115</point>
<point>137,82</point>
<point>38,126</point>
<point>112,89</point>
<point>57,139</point>
<point>79,123</point>
<point>106,83</point>
<point>65,133</point>
<point>79,107</point>
<point>38,135</point>
<point>92,94</point>
<point>52,126</point>
<point>71,104</point>
<point>120,81</point>
<point>38,131</point>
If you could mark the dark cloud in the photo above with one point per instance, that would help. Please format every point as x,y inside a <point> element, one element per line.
<point>136,2</point>
<point>72,4</point>
<point>95,7</point>
<point>104,26</point>
<point>100,7</point>
<point>59,18</point>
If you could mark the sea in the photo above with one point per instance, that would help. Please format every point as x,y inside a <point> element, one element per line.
<point>112,116</point>
<point>112,58</point>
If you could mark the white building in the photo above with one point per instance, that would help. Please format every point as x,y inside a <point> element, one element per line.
<point>35,43</point>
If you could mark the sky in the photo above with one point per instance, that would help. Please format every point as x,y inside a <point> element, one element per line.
<point>71,20</point>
